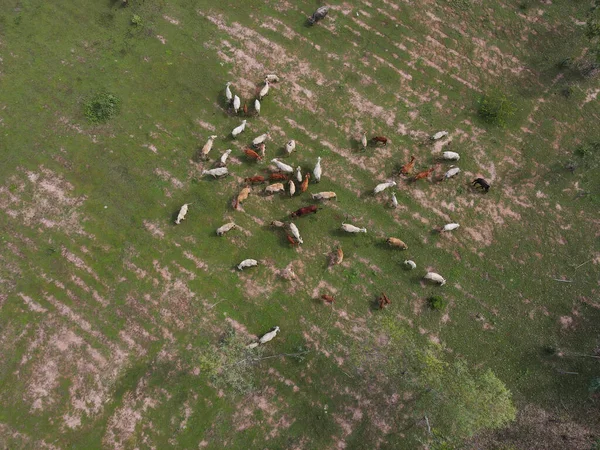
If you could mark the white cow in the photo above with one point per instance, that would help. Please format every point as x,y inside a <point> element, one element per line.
<point>237,130</point>
<point>282,166</point>
<point>363,140</point>
<point>236,103</point>
<point>450,227</point>
<point>450,156</point>
<point>295,233</point>
<point>273,188</point>
<point>260,139</point>
<point>264,91</point>
<point>352,229</point>
<point>225,228</point>
<point>247,263</point>
<point>182,212</point>
<point>327,195</point>
<point>299,174</point>
<point>208,146</point>
<point>439,135</point>
<point>257,106</point>
<point>224,156</point>
<point>435,277</point>
<point>383,186</point>
<point>228,95</point>
<point>317,170</point>
<point>218,172</point>
<point>270,335</point>
<point>290,146</point>
<point>292,188</point>
<point>410,264</point>
<point>394,200</point>
<point>453,171</point>
<point>272,78</point>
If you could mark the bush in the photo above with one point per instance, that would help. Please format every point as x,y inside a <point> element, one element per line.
<point>496,108</point>
<point>137,21</point>
<point>436,302</point>
<point>102,107</point>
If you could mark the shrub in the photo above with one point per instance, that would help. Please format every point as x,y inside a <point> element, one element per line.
<point>102,107</point>
<point>137,21</point>
<point>496,108</point>
<point>436,302</point>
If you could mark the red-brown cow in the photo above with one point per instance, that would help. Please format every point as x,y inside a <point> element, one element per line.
<point>304,211</point>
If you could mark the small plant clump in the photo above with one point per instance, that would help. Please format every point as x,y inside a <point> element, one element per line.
<point>436,302</point>
<point>136,21</point>
<point>496,108</point>
<point>102,107</point>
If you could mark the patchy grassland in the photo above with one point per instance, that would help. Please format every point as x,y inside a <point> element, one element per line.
<point>106,307</point>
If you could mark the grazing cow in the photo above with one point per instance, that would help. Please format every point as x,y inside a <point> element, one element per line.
<point>270,335</point>
<point>262,148</point>
<point>450,156</point>
<point>218,172</point>
<point>291,240</point>
<point>292,188</point>
<point>182,212</point>
<point>236,103</point>
<point>383,301</point>
<point>257,106</point>
<point>278,177</point>
<point>394,200</point>
<point>318,15</point>
<point>272,78</point>
<point>282,166</point>
<point>336,257</point>
<point>328,298</point>
<point>327,195</point>
<point>423,174</point>
<point>256,179</point>
<point>304,185</point>
<point>482,183</point>
<point>273,188</point>
<point>408,167</point>
<point>299,174</point>
<point>228,94</point>
<point>224,156</point>
<point>439,135</point>
<point>380,140</point>
<point>304,211</point>
<point>264,91</point>
<point>352,229</point>
<point>295,232</point>
<point>410,264</point>
<point>363,140</point>
<point>435,277</point>
<point>317,170</point>
<point>450,227</point>
<point>277,224</point>
<point>245,109</point>
<point>237,130</point>
<point>208,146</point>
<point>260,139</point>
<point>453,171</point>
<point>383,186</point>
<point>396,243</point>
<point>247,263</point>
<point>225,228</point>
<point>243,195</point>
<point>252,154</point>
<point>290,146</point>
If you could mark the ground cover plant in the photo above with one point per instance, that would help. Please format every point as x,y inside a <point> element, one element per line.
<point>120,329</point>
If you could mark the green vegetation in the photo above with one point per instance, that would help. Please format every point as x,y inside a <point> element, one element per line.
<point>102,107</point>
<point>496,108</point>
<point>436,302</point>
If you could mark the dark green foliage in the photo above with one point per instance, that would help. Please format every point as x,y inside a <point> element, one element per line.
<point>496,108</point>
<point>595,385</point>
<point>102,107</point>
<point>436,302</point>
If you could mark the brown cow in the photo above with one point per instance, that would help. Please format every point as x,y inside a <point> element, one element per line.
<point>305,210</point>
<point>408,167</point>
<point>304,185</point>
<point>383,301</point>
<point>328,298</point>
<point>380,139</point>
<point>423,174</point>
<point>291,240</point>
<point>256,179</point>
<point>278,176</point>
<point>252,154</point>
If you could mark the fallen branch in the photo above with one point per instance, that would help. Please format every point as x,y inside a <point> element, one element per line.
<point>564,372</point>
<point>428,427</point>
<point>562,281</point>
<point>583,264</point>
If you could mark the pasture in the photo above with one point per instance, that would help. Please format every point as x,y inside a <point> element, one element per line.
<point>120,329</point>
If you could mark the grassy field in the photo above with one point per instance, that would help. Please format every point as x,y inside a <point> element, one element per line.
<point>108,311</point>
